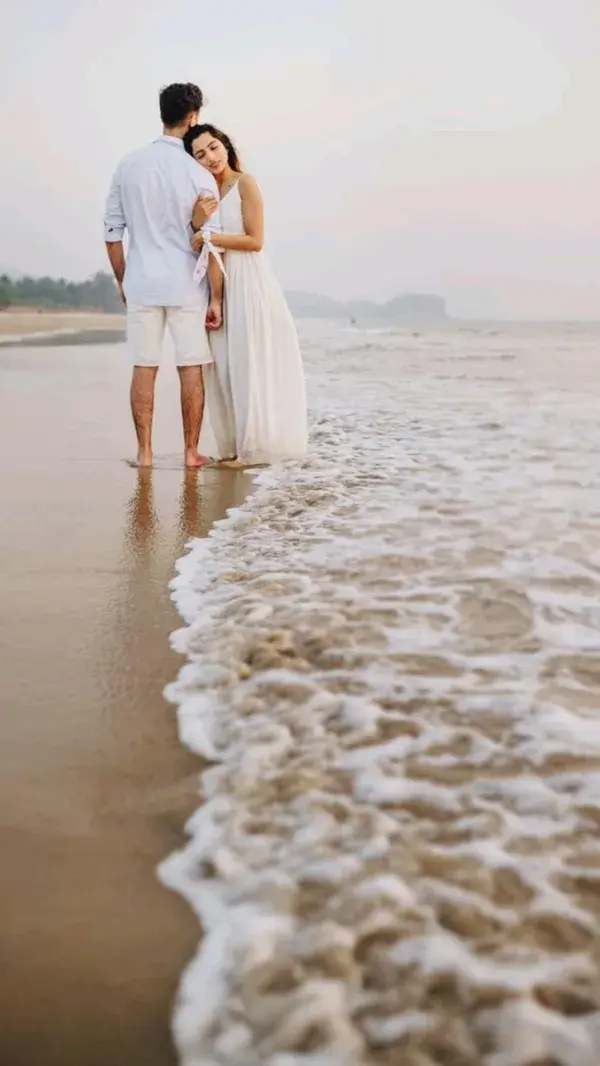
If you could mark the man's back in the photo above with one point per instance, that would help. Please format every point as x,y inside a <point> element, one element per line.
<point>152,196</point>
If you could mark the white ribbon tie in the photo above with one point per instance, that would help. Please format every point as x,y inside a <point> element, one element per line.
<point>208,249</point>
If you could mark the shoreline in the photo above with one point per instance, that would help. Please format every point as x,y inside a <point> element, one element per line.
<point>65,337</point>
<point>28,326</point>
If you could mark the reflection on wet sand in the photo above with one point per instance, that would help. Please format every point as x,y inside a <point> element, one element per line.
<point>94,784</point>
<point>142,524</point>
<point>203,499</point>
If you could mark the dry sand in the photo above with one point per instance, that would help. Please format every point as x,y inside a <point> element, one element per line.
<point>94,785</point>
<point>21,321</point>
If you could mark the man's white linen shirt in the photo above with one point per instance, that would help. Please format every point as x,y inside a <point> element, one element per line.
<point>152,196</point>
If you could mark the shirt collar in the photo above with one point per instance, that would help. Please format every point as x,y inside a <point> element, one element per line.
<point>167,139</point>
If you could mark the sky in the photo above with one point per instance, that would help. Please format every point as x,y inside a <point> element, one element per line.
<point>446,146</point>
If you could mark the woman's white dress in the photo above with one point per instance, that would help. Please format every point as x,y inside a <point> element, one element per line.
<point>255,391</point>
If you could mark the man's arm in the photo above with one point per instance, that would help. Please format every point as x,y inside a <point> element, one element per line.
<point>206,215</point>
<point>206,208</point>
<point>114,231</point>
<point>116,255</point>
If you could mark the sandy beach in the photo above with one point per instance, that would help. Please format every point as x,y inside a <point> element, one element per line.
<point>23,321</point>
<point>94,784</point>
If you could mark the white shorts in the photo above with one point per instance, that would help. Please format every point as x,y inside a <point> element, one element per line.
<point>146,333</point>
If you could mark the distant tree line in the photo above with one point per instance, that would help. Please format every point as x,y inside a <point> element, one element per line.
<point>96,294</point>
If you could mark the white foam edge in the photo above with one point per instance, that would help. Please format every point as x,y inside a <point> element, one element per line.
<point>229,930</point>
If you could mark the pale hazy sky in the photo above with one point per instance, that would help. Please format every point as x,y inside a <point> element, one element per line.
<point>449,146</point>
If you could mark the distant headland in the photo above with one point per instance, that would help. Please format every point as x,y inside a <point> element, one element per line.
<point>412,307</point>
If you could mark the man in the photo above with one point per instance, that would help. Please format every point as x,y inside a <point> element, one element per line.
<point>153,195</point>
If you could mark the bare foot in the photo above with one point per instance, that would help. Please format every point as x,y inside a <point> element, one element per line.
<point>144,458</point>
<point>233,464</point>
<point>193,460</point>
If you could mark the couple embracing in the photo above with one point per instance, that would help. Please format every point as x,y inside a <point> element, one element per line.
<point>194,219</point>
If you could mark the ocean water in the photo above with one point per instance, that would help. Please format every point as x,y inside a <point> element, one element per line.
<point>393,673</point>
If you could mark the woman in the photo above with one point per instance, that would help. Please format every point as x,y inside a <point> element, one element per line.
<point>255,391</point>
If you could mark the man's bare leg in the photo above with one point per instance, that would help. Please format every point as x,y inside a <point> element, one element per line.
<point>143,381</point>
<point>192,411</point>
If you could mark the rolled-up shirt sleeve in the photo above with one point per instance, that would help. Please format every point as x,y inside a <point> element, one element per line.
<point>206,185</point>
<point>114,218</point>
<point>213,225</point>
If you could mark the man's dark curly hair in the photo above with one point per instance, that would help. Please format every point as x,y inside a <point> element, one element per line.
<point>176,102</point>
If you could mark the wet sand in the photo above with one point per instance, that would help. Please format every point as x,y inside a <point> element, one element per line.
<point>94,785</point>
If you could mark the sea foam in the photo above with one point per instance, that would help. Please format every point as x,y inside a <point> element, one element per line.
<point>393,678</point>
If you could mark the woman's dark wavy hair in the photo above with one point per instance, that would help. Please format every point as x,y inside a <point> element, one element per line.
<point>205,127</point>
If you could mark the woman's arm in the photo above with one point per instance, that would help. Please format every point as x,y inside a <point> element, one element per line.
<point>252,213</point>
<point>205,207</point>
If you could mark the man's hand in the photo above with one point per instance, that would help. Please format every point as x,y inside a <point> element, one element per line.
<point>214,316</point>
<point>196,242</point>
<point>204,208</point>
<point>122,294</point>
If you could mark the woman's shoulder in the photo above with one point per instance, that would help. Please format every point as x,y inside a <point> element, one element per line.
<point>247,183</point>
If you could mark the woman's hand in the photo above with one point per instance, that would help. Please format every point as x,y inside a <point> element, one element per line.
<point>197,242</point>
<point>204,208</point>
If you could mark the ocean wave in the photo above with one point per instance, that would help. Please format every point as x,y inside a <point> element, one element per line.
<point>393,674</point>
